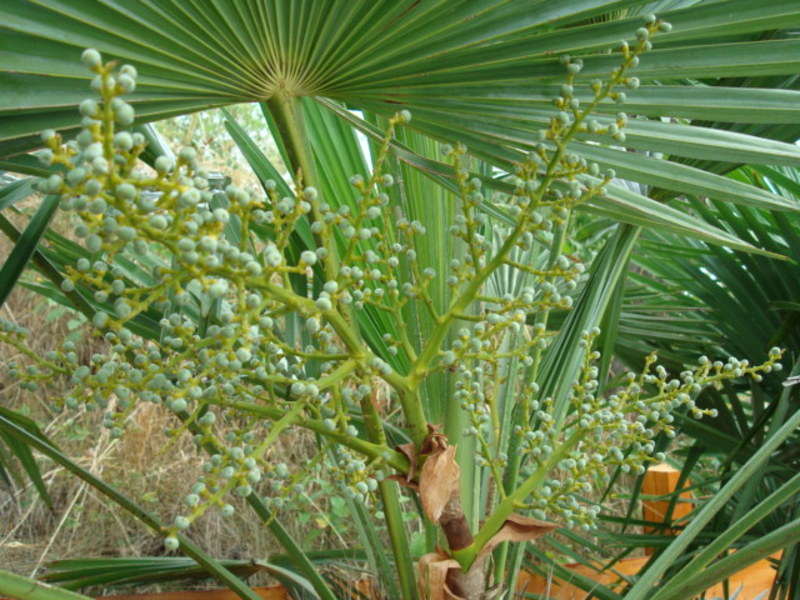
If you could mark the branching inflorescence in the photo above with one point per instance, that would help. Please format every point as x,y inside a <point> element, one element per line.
<point>226,273</point>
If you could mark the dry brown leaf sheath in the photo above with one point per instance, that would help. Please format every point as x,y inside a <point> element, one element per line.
<point>439,481</point>
<point>433,574</point>
<point>517,528</point>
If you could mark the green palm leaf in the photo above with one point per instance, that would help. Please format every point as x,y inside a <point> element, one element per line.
<point>388,54</point>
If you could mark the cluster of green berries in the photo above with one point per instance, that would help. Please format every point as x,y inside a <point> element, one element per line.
<point>214,273</point>
<point>127,216</point>
<point>617,430</point>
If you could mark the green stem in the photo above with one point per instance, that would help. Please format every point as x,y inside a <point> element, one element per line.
<point>409,398</point>
<point>502,511</point>
<point>398,538</point>
<point>392,458</point>
<point>404,567</point>
<point>287,112</point>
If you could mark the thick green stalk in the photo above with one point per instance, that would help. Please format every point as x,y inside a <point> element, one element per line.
<point>404,565</point>
<point>287,112</point>
<point>503,510</point>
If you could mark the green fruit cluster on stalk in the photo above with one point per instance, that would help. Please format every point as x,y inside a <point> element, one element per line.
<point>239,362</point>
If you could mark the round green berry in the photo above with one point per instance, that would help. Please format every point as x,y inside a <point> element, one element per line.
<point>308,257</point>
<point>125,115</point>
<point>92,58</point>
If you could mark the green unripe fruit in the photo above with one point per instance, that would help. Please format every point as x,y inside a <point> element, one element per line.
<point>67,286</point>
<point>273,257</point>
<point>186,245</point>
<point>46,157</point>
<point>208,244</point>
<point>252,300</point>
<point>127,83</point>
<point>98,207</point>
<point>126,233</point>
<point>308,257</point>
<point>217,289</point>
<point>404,116</point>
<point>574,68</point>
<point>88,108</point>
<point>221,215</point>
<point>228,510</point>
<point>94,243</point>
<point>53,184</point>
<point>129,70</point>
<point>125,115</point>
<point>93,187</point>
<point>190,197</point>
<point>92,58</point>
<point>123,141</point>
<point>163,164</point>
<point>312,325</point>
<point>243,491</point>
<point>126,191</point>
<point>187,155</point>
<point>182,523</point>
<point>158,222</point>
<point>85,139</point>
<point>253,268</point>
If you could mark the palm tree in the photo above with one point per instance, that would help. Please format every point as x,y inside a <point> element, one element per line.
<point>719,90</point>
